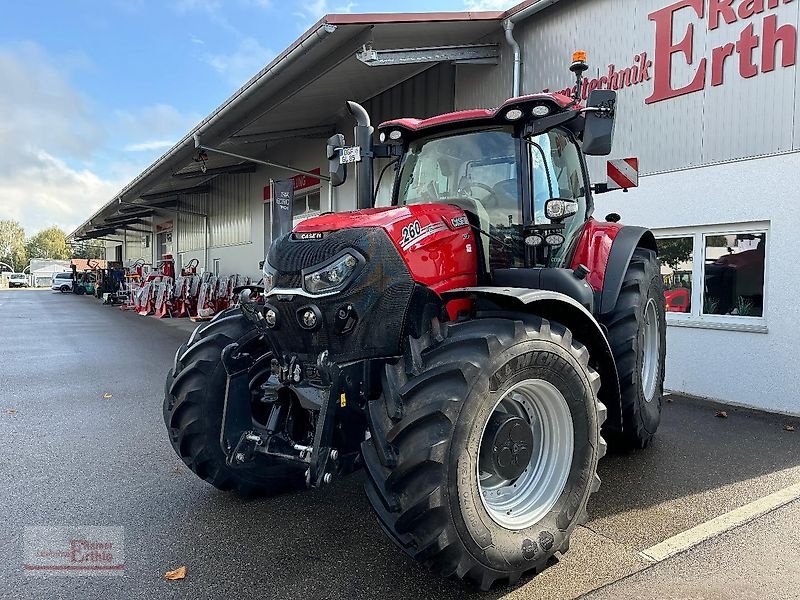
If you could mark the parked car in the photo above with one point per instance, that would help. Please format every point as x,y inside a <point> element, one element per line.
<point>62,282</point>
<point>18,280</point>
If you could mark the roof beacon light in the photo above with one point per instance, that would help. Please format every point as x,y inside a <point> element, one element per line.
<point>579,66</point>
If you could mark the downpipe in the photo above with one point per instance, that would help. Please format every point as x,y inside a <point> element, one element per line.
<point>508,27</point>
<point>365,169</point>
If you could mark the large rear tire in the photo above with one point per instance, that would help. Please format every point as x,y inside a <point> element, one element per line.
<point>194,399</point>
<point>637,334</point>
<point>429,482</point>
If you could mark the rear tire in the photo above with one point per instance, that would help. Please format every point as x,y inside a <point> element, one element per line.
<point>64,289</point>
<point>194,398</point>
<point>637,334</point>
<point>426,482</point>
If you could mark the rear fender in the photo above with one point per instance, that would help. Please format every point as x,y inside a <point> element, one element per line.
<point>606,250</point>
<point>561,308</point>
<point>627,241</point>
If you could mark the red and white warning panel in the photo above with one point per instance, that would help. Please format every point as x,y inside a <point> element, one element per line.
<point>623,174</point>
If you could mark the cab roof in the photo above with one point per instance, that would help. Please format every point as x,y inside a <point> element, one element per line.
<point>557,102</point>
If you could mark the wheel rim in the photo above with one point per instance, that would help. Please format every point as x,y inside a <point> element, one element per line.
<point>523,501</point>
<point>650,348</point>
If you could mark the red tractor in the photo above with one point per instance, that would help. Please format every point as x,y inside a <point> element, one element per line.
<point>467,344</point>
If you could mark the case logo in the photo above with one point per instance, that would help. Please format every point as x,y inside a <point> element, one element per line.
<point>461,221</point>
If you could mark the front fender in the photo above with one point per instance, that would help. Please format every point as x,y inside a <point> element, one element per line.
<point>562,309</point>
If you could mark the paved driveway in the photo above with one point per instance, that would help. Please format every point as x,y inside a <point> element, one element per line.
<point>72,456</point>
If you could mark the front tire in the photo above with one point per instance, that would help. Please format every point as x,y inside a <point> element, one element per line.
<point>64,289</point>
<point>637,334</point>
<point>194,398</point>
<point>427,459</point>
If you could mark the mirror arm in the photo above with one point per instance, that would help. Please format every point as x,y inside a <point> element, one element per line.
<point>387,150</point>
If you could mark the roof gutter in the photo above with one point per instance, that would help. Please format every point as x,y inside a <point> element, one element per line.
<point>286,59</point>
<point>508,26</point>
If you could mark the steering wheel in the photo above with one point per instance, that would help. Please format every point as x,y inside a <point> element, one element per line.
<point>489,201</point>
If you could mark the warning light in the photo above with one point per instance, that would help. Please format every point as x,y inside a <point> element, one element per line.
<point>579,56</point>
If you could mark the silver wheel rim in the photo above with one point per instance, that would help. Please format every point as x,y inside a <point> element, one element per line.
<point>650,349</point>
<point>523,502</point>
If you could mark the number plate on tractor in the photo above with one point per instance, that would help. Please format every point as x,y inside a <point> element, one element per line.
<point>350,154</point>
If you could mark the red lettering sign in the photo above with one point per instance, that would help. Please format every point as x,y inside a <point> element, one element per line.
<point>666,50</point>
<point>756,50</point>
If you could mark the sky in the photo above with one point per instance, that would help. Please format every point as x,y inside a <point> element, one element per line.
<point>93,91</point>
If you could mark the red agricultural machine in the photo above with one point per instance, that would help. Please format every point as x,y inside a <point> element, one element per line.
<point>471,345</point>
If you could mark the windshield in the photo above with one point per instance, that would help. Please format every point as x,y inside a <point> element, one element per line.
<point>478,167</point>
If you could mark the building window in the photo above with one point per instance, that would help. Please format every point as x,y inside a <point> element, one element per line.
<point>714,276</point>
<point>306,205</point>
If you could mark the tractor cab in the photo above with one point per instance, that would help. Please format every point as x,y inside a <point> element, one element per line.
<point>517,171</point>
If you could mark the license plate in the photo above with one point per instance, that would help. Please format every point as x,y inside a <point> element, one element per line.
<point>350,154</point>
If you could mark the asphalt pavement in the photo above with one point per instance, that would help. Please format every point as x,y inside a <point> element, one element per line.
<point>81,388</point>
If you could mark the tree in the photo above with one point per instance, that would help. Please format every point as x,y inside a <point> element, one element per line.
<point>88,249</point>
<point>674,251</point>
<point>49,243</point>
<point>12,245</point>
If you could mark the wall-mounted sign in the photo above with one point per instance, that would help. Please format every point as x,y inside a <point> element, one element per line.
<point>165,226</point>
<point>757,42</point>
<point>300,182</point>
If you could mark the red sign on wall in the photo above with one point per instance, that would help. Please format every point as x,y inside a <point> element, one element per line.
<point>301,182</point>
<point>763,45</point>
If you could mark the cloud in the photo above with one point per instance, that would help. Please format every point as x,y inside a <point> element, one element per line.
<point>246,60</point>
<point>151,145</point>
<point>61,155</point>
<point>478,5</point>
<point>46,191</point>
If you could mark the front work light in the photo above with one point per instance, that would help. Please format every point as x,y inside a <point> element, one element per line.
<point>514,114</point>
<point>332,277</point>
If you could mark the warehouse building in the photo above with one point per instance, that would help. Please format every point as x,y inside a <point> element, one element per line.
<point>707,102</point>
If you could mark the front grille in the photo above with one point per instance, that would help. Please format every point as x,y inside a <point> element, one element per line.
<point>380,296</point>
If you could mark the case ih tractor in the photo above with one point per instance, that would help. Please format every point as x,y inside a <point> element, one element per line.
<point>467,344</point>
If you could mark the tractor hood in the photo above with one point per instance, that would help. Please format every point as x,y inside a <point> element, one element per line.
<point>435,241</point>
<point>372,217</point>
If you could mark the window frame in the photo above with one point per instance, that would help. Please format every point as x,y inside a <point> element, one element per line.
<point>695,317</point>
<point>303,195</point>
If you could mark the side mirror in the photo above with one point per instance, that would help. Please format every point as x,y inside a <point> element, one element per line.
<point>338,171</point>
<point>598,134</point>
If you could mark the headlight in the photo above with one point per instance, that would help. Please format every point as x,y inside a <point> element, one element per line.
<point>332,277</point>
<point>269,277</point>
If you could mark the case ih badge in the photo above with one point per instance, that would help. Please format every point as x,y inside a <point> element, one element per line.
<point>623,174</point>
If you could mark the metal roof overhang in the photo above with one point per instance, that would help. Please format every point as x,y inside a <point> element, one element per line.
<point>301,93</point>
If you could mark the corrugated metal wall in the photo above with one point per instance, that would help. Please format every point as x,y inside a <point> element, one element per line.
<point>135,248</point>
<point>742,118</point>
<point>230,212</point>
<point>191,227</point>
<point>432,92</point>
